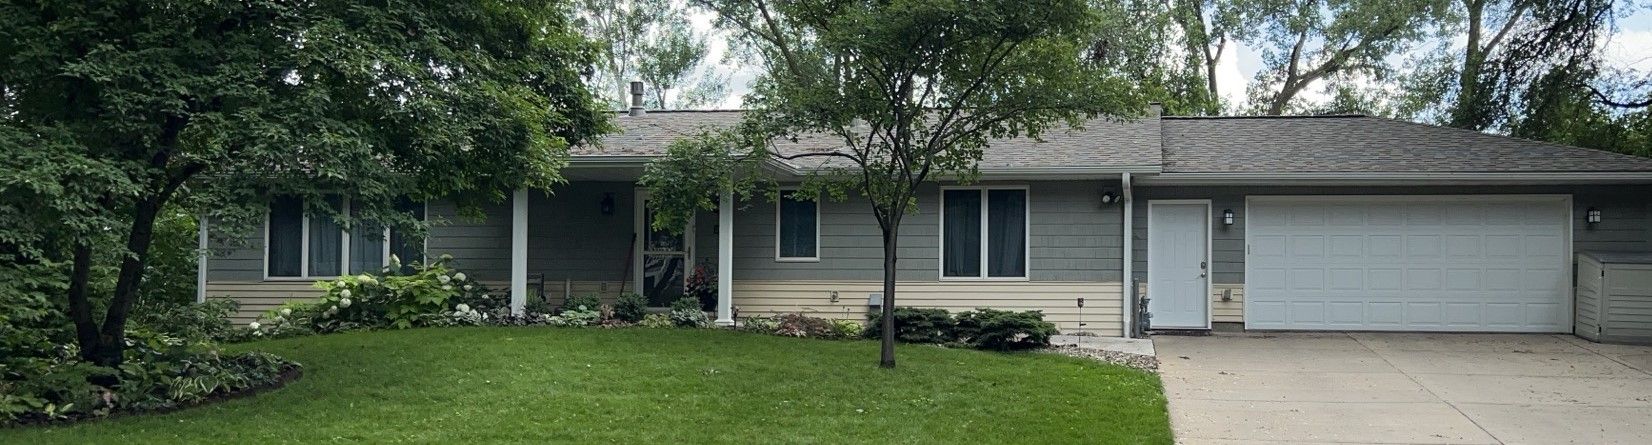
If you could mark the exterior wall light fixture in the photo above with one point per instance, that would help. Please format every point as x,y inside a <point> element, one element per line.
<point>1227,217</point>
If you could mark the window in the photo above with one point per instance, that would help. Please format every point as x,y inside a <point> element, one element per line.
<point>984,233</point>
<point>301,246</point>
<point>797,235</point>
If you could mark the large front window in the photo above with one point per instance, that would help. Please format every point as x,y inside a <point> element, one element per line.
<point>300,245</point>
<point>984,233</point>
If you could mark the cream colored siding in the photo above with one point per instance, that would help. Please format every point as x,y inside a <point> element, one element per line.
<point>1231,311</point>
<point>256,297</point>
<point>1058,300</point>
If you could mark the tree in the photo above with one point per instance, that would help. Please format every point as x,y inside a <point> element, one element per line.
<point>650,40</point>
<point>114,111</point>
<point>1308,41</point>
<point>1202,30</point>
<point>892,94</point>
<point>1507,44</point>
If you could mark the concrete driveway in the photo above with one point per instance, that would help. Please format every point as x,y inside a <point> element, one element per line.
<point>1405,388</point>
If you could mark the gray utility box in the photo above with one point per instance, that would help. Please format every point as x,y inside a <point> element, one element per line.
<point>1614,297</point>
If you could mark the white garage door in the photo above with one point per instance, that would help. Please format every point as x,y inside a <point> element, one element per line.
<point>1409,263</point>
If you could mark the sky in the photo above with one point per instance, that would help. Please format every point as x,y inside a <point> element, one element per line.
<point>1628,48</point>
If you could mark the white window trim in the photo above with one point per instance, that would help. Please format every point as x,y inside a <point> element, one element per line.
<point>344,246</point>
<point>1026,245</point>
<point>777,224</point>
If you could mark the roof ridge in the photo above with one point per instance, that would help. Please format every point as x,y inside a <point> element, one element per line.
<point>1294,116</point>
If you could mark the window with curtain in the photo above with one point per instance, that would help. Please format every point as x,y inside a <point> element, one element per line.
<point>984,233</point>
<point>301,245</point>
<point>797,232</point>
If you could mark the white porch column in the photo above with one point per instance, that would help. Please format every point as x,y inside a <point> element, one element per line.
<point>725,259</point>
<point>519,251</point>
<point>1128,202</point>
<point>201,259</point>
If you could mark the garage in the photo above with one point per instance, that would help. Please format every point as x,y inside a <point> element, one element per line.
<point>1480,263</point>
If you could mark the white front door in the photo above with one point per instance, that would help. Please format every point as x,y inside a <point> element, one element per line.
<point>662,259</point>
<point>1178,264</point>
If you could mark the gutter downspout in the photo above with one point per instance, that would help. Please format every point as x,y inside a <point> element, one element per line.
<point>1128,296</point>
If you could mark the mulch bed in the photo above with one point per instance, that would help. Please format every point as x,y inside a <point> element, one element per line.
<point>290,373</point>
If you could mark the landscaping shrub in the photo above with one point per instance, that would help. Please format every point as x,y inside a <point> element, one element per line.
<point>656,321</point>
<point>630,307</point>
<point>764,325</point>
<point>427,295</point>
<point>702,286</point>
<point>799,325</point>
<point>686,313</point>
<point>536,306</point>
<point>1004,330</point>
<point>575,301</point>
<point>847,328</point>
<point>579,316</point>
<point>914,325</point>
<point>205,320</point>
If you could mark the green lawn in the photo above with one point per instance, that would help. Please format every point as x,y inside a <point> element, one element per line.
<point>534,385</point>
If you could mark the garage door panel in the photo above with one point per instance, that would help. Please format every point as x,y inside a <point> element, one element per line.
<point>1417,263</point>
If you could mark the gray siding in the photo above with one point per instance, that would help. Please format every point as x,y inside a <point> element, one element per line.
<point>1626,223</point>
<point>570,239</point>
<point>481,247</point>
<point>1073,237</point>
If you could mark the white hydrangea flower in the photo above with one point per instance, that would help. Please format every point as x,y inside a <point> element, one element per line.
<point>254,325</point>
<point>344,293</point>
<point>258,333</point>
<point>462,307</point>
<point>459,276</point>
<point>286,312</point>
<point>447,287</point>
<point>444,278</point>
<point>344,302</point>
<point>467,287</point>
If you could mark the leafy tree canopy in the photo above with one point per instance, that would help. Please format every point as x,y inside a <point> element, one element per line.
<point>876,98</point>
<point>110,111</point>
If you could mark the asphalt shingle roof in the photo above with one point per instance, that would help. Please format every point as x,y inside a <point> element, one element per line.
<point>1317,144</point>
<point>1102,142</point>
<point>1278,144</point>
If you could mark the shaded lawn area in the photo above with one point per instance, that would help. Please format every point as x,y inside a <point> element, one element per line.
<point>540,384</point>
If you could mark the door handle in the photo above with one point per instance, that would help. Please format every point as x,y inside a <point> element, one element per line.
<point>1203,269</point>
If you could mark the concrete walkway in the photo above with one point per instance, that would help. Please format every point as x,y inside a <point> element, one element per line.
<point>1405,388</point>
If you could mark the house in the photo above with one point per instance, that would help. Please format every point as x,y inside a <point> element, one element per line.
<point>1299,222</point>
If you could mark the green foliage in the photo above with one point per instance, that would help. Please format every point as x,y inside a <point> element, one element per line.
<point>1307,42</point>
<point>764,325</point>
<point>581,302</point>
<point>654,41</point>
<point>657,321</point>
<point>118,113</point>
<point>1004,330</point>
<point>631,307</point>
<point>159,371</point>
<point>686,313</point>
<point>577,317</point>
<point>847,328</point>
<point>537,306</point>
<point>915,325</point>
<point>429,294</point>
<point>207,320</point>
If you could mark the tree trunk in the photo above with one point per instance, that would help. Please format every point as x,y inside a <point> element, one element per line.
<point>886,358</point>
<point>111,341</point>
<point>80,308</point>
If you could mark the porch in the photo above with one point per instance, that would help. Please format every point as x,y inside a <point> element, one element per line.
<point>591,237</point>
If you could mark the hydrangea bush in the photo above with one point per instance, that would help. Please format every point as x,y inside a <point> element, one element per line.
<point>430,294</point>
